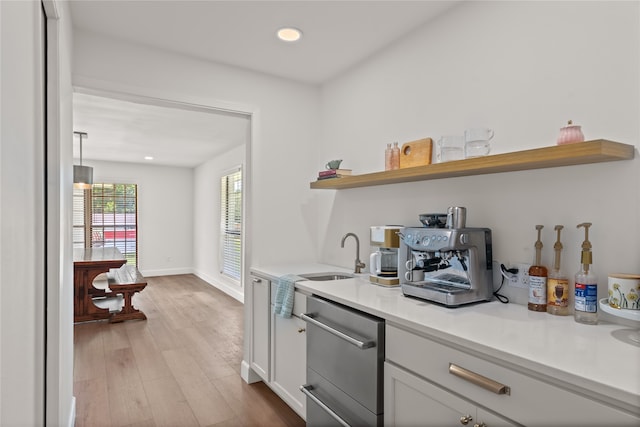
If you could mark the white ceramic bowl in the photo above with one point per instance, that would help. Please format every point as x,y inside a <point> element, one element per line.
<point>624,291</point>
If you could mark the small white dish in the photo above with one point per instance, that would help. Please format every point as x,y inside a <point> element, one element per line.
<point>619,312</point>
<point>630,336</point>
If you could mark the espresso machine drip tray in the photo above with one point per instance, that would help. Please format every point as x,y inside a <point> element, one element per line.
<point>450,281</point>
<point>449,289</point>
<point>446,294</point>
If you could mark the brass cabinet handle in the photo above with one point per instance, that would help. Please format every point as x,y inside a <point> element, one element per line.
<point>465,419</point>
<point>301,330</point>
<point>479,380</point>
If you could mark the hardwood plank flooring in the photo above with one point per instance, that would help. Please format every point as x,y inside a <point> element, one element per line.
<point>180,367</point>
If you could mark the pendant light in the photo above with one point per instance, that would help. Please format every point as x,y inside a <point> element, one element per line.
<point>82,175</point>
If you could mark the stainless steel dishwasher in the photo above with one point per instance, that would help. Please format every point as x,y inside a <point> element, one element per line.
<point>345,362</point>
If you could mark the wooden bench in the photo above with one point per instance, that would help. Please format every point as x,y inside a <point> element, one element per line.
<point>127,281</point>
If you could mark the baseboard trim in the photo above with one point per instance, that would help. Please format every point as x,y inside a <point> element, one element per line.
<point>166,272</point>
<point>72,413</point>
<point>247,374</point>
<point>227,289</point>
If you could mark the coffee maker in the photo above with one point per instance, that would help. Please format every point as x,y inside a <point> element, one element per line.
<point>446,262</point>
<point>383,263</point>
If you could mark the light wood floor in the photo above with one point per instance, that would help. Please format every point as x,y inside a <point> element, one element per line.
<point>178,368</point>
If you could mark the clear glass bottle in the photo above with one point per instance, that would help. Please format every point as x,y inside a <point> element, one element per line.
<point>557,284</point>
<point>395,156</point>
<point>586,285</point>
<point>387,157</point>
<point>538,280</point>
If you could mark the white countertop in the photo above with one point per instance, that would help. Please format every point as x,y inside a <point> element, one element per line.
<point>557,347</point>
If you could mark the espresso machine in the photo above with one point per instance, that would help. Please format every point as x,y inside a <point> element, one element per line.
<point>383,263</point>
<point>446,262</point>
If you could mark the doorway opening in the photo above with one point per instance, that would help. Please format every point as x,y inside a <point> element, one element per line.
<point>201,141</point>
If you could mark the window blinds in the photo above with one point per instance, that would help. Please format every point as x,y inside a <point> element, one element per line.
<point>79,218</point>
<point>106,216</point>
<point>114,219</point>
<point>231,224</point>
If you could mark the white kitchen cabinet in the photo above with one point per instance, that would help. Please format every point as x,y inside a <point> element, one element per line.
<point>420,368</point>
<point>278,352</point>
<point>410,400</point>
<point>260,350</point>
<point>289,355</point>
<point>488,419</point>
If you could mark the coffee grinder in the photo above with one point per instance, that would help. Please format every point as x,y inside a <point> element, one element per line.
<point>383,263</point>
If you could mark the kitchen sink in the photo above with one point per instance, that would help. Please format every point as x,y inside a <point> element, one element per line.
<point>327,276</point>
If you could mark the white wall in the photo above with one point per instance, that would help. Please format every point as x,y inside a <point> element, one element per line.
<point>22,233</point>
<point>206,213</point>
<point>165,213</point>
<point>524,69</point>
<point>284,119</point>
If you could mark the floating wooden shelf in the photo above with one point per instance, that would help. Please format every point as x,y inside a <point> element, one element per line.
<point>581,153</point>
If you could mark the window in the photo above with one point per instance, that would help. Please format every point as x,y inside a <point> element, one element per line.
<point>81,218</point>
<point>231,224</point>
<point>106,216</point>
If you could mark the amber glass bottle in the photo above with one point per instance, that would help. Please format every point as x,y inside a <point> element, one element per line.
<point>557,283</point>
<point>538,280</point>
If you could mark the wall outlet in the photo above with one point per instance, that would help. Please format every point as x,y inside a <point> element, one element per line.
<point>521,279</point>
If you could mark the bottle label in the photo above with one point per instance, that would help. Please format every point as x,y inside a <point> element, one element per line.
<point>537,290</point>
<point>586,297</point>
<point>558,292</point>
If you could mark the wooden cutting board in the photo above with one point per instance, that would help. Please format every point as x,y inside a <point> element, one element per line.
<point>416,153</point>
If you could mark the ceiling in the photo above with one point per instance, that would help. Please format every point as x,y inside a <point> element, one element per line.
<point>337,35</point>
<point>125,131</point>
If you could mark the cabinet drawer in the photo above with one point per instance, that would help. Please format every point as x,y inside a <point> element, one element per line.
<point>410,400</point>
<point>530,401</point>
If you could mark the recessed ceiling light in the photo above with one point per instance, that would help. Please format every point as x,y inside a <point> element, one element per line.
<point>289,34</point>
<point>148,157</point>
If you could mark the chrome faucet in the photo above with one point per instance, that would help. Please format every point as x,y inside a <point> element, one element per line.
<point>359,264</point>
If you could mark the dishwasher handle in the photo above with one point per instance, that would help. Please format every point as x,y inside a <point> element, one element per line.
<point>308,317</point>
<point>306,389</point>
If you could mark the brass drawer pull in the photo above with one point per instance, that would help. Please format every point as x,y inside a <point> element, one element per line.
<point>479,380</point>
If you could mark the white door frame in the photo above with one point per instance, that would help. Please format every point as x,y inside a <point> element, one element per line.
<point>59,404</point>
<point>118,91</point>
<point>99,88</point>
